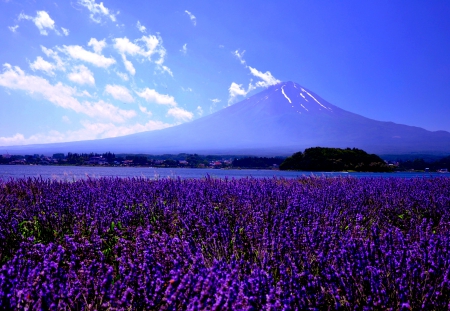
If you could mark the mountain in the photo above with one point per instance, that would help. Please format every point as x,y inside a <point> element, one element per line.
<point>283,119</point>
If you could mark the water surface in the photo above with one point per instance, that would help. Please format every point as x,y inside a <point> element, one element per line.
<point>81,172</point>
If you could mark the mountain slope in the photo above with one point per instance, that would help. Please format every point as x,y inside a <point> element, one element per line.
<point>280,120</point>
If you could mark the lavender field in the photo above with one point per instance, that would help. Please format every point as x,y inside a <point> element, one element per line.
<point>225,244</point>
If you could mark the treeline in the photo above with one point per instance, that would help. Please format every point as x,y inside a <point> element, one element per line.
<point>420,164</point>
<point>335,159</point>
<point>312,159</point>
<point>81,158</point>
<point>258,162</point>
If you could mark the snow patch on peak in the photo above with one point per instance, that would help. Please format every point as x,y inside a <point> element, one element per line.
<point>282,91</point>
<point>315,99</point>
<point>303,96</point>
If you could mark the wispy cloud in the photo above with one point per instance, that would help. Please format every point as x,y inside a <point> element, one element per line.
<point>187,89</point>
<point>180,114</point>
<point>266,78</point>
<point>78,52</point>
<point>61,95</point>
<point>59,64</point>
<point>145,110</point>
<point>89,131</point>
<point>13,28</point>
<point>192,17</point>
<point>152,96</point>
<point>236,90</point>
<point>166,69</point>
<point>65,31</point>
<point>97,10</point>
<point>119,92</point>
<point>146,46</point>
<point>184,49</point>
<point>240,56</point>
<point>199,111</point>
<point>141,27</point>
<point>122,75</point>
<point>43,65</point>
<point>128,65</point>
<point>42,20</point>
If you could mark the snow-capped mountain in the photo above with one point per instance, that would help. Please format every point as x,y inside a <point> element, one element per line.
<point>283,119</point>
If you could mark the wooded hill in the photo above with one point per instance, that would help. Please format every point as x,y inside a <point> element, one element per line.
<point>334,159</point>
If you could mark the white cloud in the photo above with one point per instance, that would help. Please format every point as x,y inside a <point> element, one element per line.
<point>186,89</point>
<point>66,119</point>
<point>65,31</point>
<point>13,28</point>
<point>166,69</point>
<point>146,46</point>
<point>88,131</point>
<point>140,27</point>
<point>215,100</point>
<point>17,139</point>
<point>192,17</point>
<point>154,97</point>
<point>85,93</point>
<point>81,75</point>
<point>184,49</point>
<point>97,46</point>
<point>128,65</point>
<point>125,46</point>
<point>77,52</point>
<point>267,78</point>
<point>97,10</point>
<point>105,130</point>
<point>41,64</point>
<point>237,90</point>
<point>119,92</point>
<point>42,20</point>
<point>199,111</point>
<point>180,114</point>
<point>60,95</point>
<point>240,56</point>
<point>152,43</point>
<point>122,75</point>
<point>144,110</point>
<point>52,54</point>
<point>107,111</point>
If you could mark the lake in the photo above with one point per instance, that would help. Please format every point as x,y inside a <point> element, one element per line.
<point>82,172</point>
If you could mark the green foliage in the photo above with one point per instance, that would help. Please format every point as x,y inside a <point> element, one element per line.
<point>334,159</point>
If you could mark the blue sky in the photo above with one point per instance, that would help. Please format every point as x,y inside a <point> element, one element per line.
<point>85,69</point>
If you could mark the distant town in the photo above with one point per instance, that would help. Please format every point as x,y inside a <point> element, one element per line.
<point>197,161</point>
<point>123,160</point>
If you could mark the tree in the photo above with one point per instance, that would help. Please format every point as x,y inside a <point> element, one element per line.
<point>334,159</point>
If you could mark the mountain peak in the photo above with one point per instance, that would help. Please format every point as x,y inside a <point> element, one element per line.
<point>289,98</point>
<point>280,120</point>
